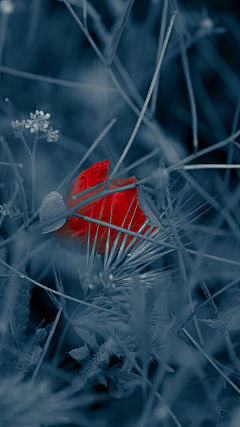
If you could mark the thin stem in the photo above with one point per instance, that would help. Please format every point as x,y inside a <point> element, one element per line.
<point>205,151</point>
<point>120,31</point>
<point>45,349</point>
<point>33,170</point>
<point>19,165</point>
<point>160,43</point>
<point>126,231</point>
<point>146,102</point>
<point>19,181</point>
<point>35,10</point>
<point>205,303</point>
<point>191,304</point>
<point>60,294</point>
<point>85,32</point>
<point>25,146</point>
<point>215,204</point>
<point>231,148</point>
<point>85,13</point>
<point>3,32</point>
<point>208,166</point>
<point>169,151</point>
<point>52,80</point>
<point>189,85</point>
<point>211,361</point>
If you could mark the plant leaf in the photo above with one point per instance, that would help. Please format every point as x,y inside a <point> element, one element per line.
<point>229,319</point>
<point>80,353</point>
<point>149,208</point>
<point>89,339</point>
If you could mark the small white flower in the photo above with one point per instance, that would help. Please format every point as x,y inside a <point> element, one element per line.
<point>16,124</point>
<point>18,127</point>
<point>52,135</point>
<point>5,209</point>
<point>38,122</point>
<point>6,7</point>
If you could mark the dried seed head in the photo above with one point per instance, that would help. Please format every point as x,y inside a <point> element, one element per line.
<point>52,205</point>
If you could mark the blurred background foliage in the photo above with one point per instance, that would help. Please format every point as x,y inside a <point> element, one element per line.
<point>46,63</point>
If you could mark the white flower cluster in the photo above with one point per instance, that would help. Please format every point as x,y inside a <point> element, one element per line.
<point>18,127</point>
<point>37,122</point>
<point>6,210</point>
<point>52,135</point>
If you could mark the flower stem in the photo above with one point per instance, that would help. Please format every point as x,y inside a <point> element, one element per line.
<point>46,346</point>
<point>33,171</point>
<point>18,179</point>
<point>25,146</point>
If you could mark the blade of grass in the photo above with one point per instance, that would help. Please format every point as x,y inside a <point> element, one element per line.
<point>205,151</point>
<point>205,303</point>
<point>147,100</point>
<point>160,44</point>
<point>186,282</point>
<point>169,151</point>
<point>45,348</point>
<point>35,10</point>
<point>120,32</point>
<point>188,80</point>
<point>209,166</point>
<point>52,80</point>
<point>215,366</point>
